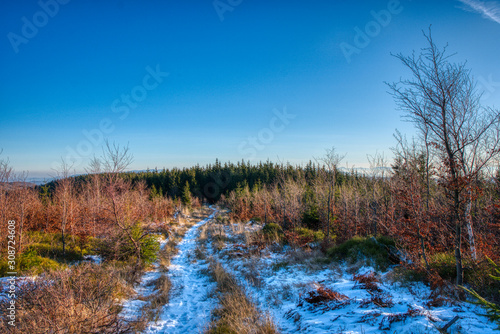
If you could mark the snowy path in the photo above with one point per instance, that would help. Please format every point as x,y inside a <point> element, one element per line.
<point>188,310</point>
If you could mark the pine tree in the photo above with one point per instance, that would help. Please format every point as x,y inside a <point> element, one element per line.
<point>153,192</point>
<point>186,195</point>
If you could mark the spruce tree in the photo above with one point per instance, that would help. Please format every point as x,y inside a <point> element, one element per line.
<point>186,195</point>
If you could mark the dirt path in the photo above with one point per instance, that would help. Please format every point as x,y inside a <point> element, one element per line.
<point>188,310</point>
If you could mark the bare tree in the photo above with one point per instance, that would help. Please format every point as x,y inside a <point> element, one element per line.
<point>379,192</point>
<point>331,161</point>
<point>94,189</point>
<point>442,98</point>
<point>114,161</point>
<point>6,174</point>
<point>64,197</point>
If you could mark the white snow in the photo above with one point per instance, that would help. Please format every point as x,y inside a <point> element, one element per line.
<point>97,259</point>
<point>19,281</point>
<point>189,307</point>
<point>283,289</point>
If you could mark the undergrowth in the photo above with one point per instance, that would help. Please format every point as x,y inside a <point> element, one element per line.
<point>372,251</point>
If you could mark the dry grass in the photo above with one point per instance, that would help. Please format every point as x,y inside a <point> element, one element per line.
<point>236,313</point>
<point>251,272</point>
<point>200,213</point>
<point>156,301</point>
<point>80,300</point>
<point>166,254</point>
<point>200,252</point>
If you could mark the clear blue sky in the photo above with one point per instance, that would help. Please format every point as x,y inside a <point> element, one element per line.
<point>85,67</point>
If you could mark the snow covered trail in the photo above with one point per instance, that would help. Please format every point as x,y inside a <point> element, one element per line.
<point>188,310</point>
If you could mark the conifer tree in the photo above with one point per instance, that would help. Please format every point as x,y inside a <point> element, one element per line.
<point>186,195</point>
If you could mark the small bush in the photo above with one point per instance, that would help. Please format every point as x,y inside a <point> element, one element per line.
<point>315,236</point>
<point>272,229</point>
<point>32,262</point>
<point>119,247</point>
<point>280,265</point>
<point>56,252</point>
<point>444,264</point>
<point>42,252</point>
<point>408,274</point>
<point>492,309</point>
<point>310,218</point>
<point>79,300</point>
<point>373,251</point>
<point>272,232</point>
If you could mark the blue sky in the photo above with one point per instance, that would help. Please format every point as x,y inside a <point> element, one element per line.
<point>185,82</point>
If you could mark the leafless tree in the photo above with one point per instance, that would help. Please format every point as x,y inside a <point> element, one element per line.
<point>6,174</point>
<point>94,188</point>
<point>442,99</point>
<point>64,196</point>
<point>379,192</point>
<point>116,160</point>
<point>331,161</point>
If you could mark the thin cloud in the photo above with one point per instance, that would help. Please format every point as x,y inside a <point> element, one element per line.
<point>488,9</point>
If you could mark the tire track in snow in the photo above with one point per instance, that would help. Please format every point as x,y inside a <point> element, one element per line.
<point>188,310</point>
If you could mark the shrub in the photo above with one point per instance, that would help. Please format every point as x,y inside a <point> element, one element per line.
<point>272,231</point>
<point>79,300</point>
<point>77,244</point>
<point>373,251</point>
<point>56,252</point>
<point>315,236</point>
<point>36,264</point>
<point>118,245</point>
<point>444,264</point>
<point>310,218</point>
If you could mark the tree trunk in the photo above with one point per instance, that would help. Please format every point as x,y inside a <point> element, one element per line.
<point>458,240</point>
<point>468,222</point>
<point>328,217</point>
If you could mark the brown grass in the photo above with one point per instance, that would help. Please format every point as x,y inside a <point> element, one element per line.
<point>156,300</point>
<point>236,313</point>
